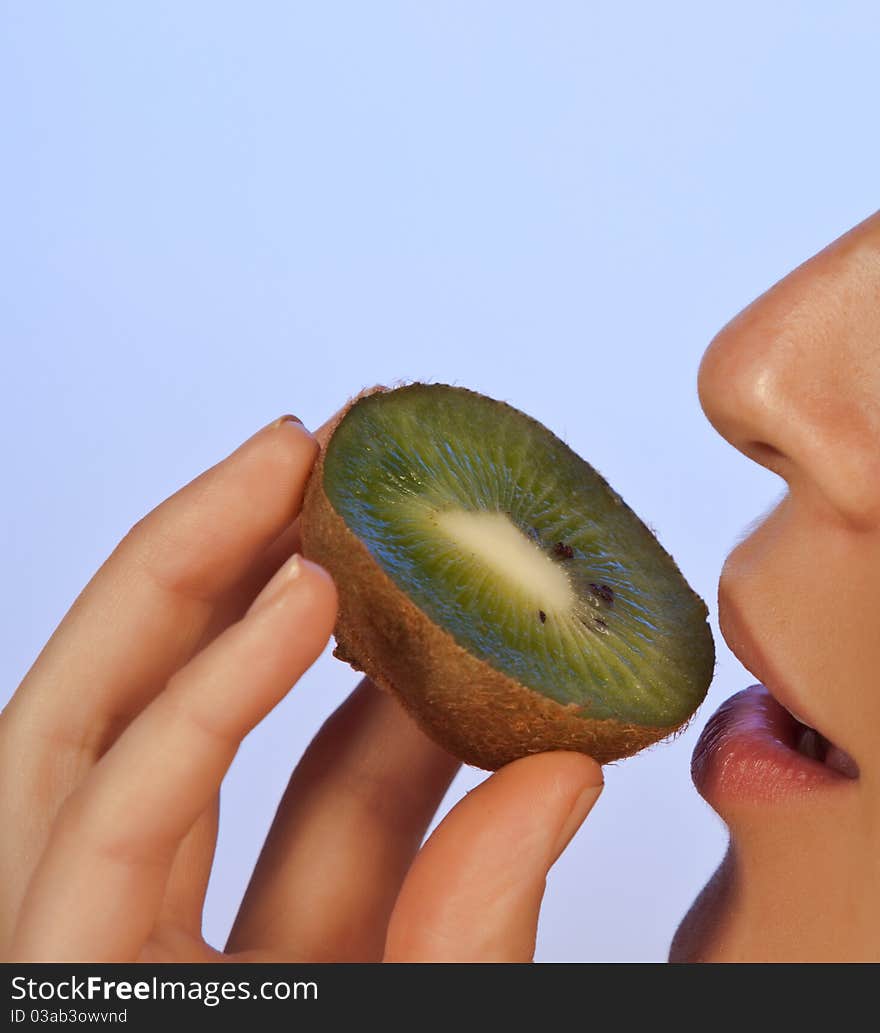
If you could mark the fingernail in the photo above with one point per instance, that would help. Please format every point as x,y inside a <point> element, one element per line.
<point>279,581</point>
<point>580,809</point>
<point>286,418</point>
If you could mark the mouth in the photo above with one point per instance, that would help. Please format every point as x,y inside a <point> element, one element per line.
<point>760,746</point>
<point>754,751</point>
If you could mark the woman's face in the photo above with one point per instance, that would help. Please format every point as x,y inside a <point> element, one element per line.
<point>794,384</point>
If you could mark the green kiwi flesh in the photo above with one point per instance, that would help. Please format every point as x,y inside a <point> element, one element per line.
<point>494,581</point>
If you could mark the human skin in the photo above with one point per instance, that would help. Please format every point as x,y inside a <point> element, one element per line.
<point>113,748</point>
<point>794,383</point>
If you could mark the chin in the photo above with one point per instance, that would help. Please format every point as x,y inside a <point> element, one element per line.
<point>787,893</point>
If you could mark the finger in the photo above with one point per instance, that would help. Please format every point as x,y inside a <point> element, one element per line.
<point>184,899</point>
<point>475,889</point>
<point>346,831</point>
<point>143,614</point>
<point>96,893</point>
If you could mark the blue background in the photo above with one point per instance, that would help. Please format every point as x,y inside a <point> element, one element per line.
<point>214,213</point>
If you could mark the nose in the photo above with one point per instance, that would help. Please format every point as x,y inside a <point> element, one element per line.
<point>793,382</point>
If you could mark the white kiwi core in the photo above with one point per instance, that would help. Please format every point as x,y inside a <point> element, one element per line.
<point>493,540</point>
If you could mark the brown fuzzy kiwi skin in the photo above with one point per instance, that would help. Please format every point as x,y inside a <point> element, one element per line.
<point>472,710</point>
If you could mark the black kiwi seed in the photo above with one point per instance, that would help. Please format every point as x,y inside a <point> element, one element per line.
<point>604,592</point>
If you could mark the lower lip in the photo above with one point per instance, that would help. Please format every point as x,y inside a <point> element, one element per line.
<point>747,755</point>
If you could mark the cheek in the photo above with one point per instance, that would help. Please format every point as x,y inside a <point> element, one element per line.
<point>811,590</point>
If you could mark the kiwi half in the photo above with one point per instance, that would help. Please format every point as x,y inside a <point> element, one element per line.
<point>494,581</point>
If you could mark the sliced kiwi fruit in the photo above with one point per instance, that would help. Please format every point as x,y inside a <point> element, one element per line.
<point>494,581</point>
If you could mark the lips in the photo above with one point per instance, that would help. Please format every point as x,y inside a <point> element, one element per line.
<point>749,753</point>
<point>754,749</point>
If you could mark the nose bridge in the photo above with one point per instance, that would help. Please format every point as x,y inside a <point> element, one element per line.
<point>794,381</point>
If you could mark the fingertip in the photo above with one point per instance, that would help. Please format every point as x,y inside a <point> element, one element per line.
<point>579,771</point>
<point>580,806</point>
<point>276,461</point>
<point>290,435</point>
<point>302,586</point>
<point>323,597</point>
<point>321,580</point>
<point>570,763</point>
<point>564,772</point>
<point>562,785</point>
<point>290,424</point>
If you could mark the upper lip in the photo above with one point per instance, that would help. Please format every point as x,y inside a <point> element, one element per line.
<point>742,642</point>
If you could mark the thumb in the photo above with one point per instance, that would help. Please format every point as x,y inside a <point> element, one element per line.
<point>474,890</point>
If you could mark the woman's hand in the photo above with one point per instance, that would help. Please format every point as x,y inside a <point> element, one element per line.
<point>114,746</point>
